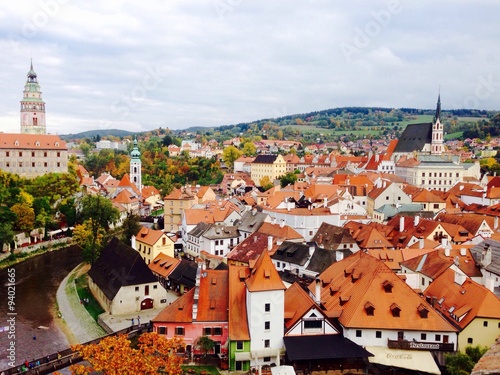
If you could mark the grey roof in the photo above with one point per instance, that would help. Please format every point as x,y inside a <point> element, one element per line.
<point>494,246</point>
<point>408,209</point>
<point>323,258</point>
<point>221,231</point>
<point>265,159</point>
<point>330,236</point>
<point>292,252</point>
<point>199,229</point>
<point>414,137</point>
<point>184,273</point>
<point>317,347</point>
<point>251,221</point>
<point>119,265</point>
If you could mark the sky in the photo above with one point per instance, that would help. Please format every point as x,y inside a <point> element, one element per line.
<point>141,65</point>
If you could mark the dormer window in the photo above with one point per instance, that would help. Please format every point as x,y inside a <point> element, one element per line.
<point>423,311</point>
<point>370,309</point>
<point>333,290</point>
<point>396,310</point>
<point>343,300</point>
<point>387,286</point>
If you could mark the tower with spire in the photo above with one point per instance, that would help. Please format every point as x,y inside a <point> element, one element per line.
<point>32,106</point>
<point>437,130</point>
<point>136,166</point>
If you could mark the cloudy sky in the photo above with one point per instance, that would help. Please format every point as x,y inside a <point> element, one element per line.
<point>139,65</point>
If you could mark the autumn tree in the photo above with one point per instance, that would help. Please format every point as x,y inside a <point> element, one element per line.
<point>249,149</point>
<point>288,179</point>
<point>91,244</point>
<point>230,154</point>
<point>25,215</point>
<point>266,183</point>
<point>114,355</point>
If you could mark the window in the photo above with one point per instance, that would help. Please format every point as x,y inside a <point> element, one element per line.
<point>217,331</point>
<point>485,323</point>
<point>239,345</point>
<point>470,340</point>
<point>267,343</point>
<point>313,324</point>
<point>179,331</point>
<point>267,325</point>
<point>20,153</point>
<point>33,165</point>
<point>207,331</point>
<point>267,359</point>
<point>32,154</point>
<point>136,288</point>
<point>359,333</point>
<point>162,330</point>
<point>7,153</point>
<point>45,154</point>
<point>155,286</point>
<point>378,334</point>
<point>437,338</point>
<point>58,154</point>
<point>267,307</point>
<point>423,336</point>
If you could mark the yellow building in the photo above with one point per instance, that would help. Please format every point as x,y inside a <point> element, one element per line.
<point>181,199</point>
<point>471,307</point>
<point>149,243</point>
<point>272,166</point>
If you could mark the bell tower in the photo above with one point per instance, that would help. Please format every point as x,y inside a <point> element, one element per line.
<point>136,166</point>
<point>32,106</point>
<point>437,131</point>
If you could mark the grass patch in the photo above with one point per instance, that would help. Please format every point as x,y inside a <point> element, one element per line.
<point>84,293</point>
<point>456,135</point>
<point>157,212</point>
<point>196,370</point>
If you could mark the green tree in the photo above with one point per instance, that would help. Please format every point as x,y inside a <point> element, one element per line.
<point>100,215</point>
<point>288,179</point>
<point>229,155</point>
<point>205,344</point>
<point>6,235</point>
<point>463,363</point>
<point>130,227</point>
<point>90,242</point>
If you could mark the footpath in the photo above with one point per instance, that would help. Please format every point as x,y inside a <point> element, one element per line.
<point>81,324</point>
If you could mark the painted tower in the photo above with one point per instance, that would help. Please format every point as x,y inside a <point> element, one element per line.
<point>437,131</point>
<point>32,106</point>
<point>135,166</point>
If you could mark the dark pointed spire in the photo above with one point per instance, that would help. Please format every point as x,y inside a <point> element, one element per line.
<point>438,108</point>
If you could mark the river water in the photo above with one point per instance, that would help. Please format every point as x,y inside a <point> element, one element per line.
<point>36,283</point>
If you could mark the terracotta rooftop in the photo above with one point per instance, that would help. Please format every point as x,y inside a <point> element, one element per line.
<point>238,322</point>
<point>263,276</point>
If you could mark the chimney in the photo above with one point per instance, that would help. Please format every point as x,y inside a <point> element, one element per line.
<point>339,255</point>
<point>132,243</point>
<point>446,250</point>
<point>486,256</point>
<point>421,243</point>
<point>269,243</point>
<point>317,294</point>
<point>401,223</point>
<point>282,223</point>
<point>311,250</point>
<point>459,278</point>
<point>197,290</point>
<point>417,220</point>
<point>463,251</point>
<point>325,202</point>
<point>444,242</point>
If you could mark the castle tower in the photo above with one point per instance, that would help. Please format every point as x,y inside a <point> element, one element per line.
<point>32,107</point>
<point>437,131</point>
<point>135,166</point>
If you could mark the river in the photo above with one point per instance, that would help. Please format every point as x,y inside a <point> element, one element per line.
<point>32,322</point>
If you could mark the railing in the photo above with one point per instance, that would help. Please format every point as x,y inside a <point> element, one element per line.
<point>66,357</point>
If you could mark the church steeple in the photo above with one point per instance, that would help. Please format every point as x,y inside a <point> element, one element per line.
<point>32,106</point>
<point>438,108</point>
<point>136,166</point>
<point>437,130</point>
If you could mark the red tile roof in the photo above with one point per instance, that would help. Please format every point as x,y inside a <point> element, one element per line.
<point>238,322</point>
<point>263,276</point>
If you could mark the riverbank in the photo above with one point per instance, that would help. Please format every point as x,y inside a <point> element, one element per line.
<point>71,316</point>
<point>23,253</point>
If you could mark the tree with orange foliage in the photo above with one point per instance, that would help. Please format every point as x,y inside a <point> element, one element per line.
<point>114,355</point>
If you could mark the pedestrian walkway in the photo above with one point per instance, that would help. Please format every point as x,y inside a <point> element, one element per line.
<point>77,318</point>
